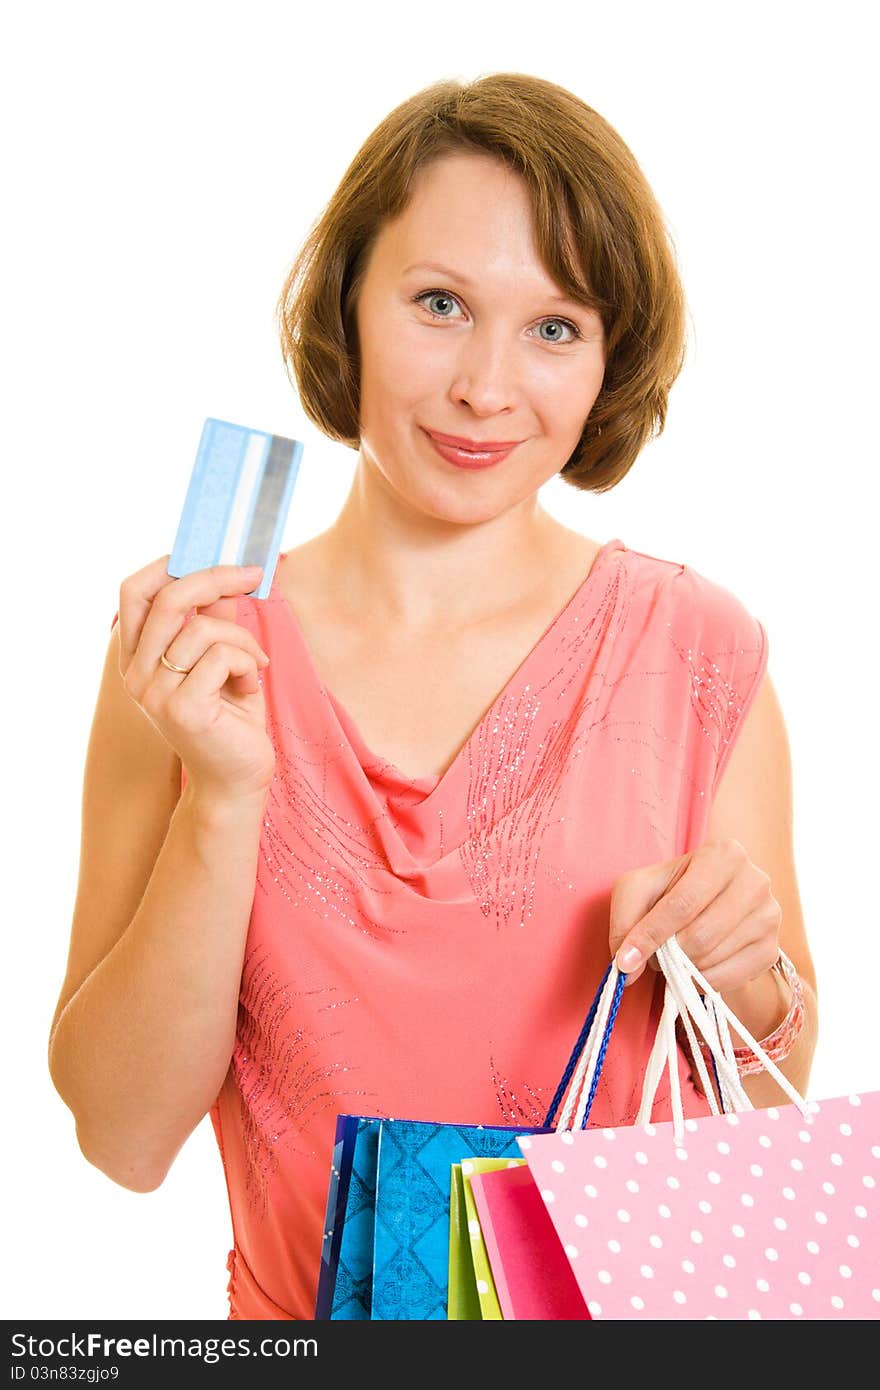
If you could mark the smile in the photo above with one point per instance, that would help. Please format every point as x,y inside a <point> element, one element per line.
<point>471,453</point>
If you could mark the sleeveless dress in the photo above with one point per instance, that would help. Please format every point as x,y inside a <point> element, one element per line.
<point>428,947</point>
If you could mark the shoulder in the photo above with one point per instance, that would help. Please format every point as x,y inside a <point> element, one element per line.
<point>714,649</point>
<point>697,606</point>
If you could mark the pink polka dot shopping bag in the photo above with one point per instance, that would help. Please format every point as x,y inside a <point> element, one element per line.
<point>742,1214</point>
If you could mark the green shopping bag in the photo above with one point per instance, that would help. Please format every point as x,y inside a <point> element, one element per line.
<point>464,1303</point>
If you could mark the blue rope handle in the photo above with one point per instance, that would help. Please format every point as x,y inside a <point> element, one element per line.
<point>579,1047</point>
<point>615,1005</point>
<point>576,1052</point>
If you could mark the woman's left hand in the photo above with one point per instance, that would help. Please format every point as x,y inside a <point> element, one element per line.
<point>714,900</point>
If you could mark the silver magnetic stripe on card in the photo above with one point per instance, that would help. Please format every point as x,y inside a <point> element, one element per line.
<point>240,511</point>
<point>261,533</point>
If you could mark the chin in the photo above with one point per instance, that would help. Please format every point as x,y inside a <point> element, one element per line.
<point>455,506</point>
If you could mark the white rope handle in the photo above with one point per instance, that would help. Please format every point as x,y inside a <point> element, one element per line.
<point>727,1041</point>
<point>727,1014</point>
<point>710,1017</point>
<point>657,1062</point>
<point>678,970</point>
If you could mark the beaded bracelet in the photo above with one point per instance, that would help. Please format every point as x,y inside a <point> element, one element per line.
<point>781,1041</point>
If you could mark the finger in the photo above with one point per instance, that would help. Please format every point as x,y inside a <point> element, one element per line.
<point>705,940</point>
<point>193,704</point>
<point>139,591</point>
<point>761,925</point>
<point>221,607</point>
<point>158,610</point>
<point>750,955</point>
<point>635,893</point>
<point>136,594</point>
<point>738,936</point>
<point>194,639</point>
<point>680,905</point>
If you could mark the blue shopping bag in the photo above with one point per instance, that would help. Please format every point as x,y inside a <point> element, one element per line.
<point>385,1253</point>
<point>386,1241</point>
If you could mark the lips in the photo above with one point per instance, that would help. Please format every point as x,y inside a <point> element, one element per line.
<point>473,446</point>
<point>471,453</point>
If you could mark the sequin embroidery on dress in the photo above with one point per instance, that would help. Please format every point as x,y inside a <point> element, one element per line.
<point>426,948</point>
<point>286,1072</point>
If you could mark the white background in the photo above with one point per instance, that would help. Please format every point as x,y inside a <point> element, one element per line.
<point>162,165</point>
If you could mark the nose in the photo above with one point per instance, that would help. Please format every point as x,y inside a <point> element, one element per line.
<point>485,373</point>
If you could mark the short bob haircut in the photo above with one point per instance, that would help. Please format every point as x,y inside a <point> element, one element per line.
<point>599,229</point>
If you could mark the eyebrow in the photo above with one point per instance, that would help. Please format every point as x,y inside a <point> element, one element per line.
<point>468,283</point>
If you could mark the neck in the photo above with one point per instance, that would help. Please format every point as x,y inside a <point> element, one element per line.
<point>415,570</point>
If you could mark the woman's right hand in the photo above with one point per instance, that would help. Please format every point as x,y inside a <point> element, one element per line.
<point>214,717</point>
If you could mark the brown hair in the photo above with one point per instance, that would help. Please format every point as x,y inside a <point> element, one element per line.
<point>599,228</point>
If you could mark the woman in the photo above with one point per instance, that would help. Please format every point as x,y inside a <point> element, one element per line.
<point>374,842</point>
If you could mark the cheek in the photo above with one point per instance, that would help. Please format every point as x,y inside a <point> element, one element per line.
<point>402,362</point>
<point>395,387</point>
<point>566,395</point>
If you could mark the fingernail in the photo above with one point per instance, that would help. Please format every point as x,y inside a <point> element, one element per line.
<point>629,960</point>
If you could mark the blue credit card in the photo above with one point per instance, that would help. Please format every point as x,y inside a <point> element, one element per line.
<point>237,501</point>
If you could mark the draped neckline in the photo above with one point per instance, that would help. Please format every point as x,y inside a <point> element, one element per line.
<point>379,769</point>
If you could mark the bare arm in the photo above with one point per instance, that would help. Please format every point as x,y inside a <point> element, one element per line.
<point>754,804</point>
<point>140,1051</point>
<point>717,899</point>
<point>145,1022</point>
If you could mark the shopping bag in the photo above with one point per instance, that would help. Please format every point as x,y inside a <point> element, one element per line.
<point>487,1295</point>
<point>756,1215</point>
<point>385,1252</point>
<point>345,1278</point>
<point>530,1272</point>
<point>411,1238</point>
<point>463,1303</point>
<point>386,1243</point>
<point>741,1214</point>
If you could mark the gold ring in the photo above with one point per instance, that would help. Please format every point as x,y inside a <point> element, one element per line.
<point>184,670</point>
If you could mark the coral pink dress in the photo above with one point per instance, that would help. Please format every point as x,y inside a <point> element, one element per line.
<point>428,948</point>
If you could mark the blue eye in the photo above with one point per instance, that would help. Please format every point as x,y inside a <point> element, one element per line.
<point>445,303</point>
<point>564,323</point>
<point>441,296</point>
